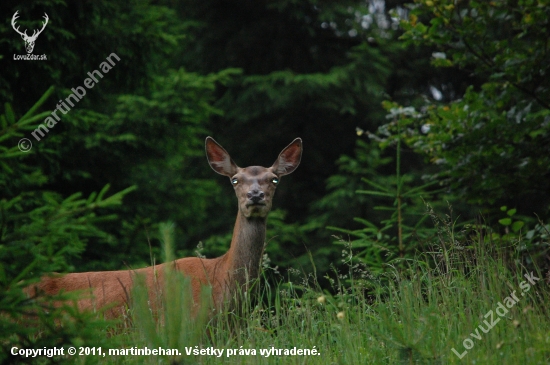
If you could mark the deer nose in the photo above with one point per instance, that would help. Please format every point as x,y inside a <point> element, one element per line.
<point>255,195</point>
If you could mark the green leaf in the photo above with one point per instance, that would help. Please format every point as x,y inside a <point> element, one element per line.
<point>365,222</point>
<point>91,198</point>
<point>10,116</point>
<point>35,118</point>
<point>438,62</point>
<point>102,192</point>
<point>412,191</point>
<point>421,28</point>
<point>372,192</point>
<point>38,103</point>
<point>505,221</point>
<point>372,183</point>
<point>517,226</point>
<point>511,212</point>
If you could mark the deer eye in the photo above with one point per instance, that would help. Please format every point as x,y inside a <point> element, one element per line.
<point>234,181</point>
<point>275,180</point>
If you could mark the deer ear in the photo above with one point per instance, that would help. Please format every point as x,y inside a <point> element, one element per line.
<point>219,159</point>
<point>288,159</point>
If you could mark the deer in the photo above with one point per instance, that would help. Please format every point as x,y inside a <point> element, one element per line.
<point>29,40</point>
<point>227,275</point>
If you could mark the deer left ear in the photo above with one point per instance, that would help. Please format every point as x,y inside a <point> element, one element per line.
<point>219,159</point>
<point>288,159</point>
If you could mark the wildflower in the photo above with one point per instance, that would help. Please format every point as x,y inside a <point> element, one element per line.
<point>321,299</point>
<point>340,315</point>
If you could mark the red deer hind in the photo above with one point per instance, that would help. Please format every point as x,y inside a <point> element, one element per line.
<point>254,187</point>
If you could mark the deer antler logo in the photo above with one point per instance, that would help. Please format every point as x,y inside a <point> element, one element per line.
<point>29,41</point>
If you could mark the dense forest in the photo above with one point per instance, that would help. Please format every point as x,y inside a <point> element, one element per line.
<point>426,136</point>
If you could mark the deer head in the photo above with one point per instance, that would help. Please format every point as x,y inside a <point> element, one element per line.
<point>29,40</point>
<point>254,185</point>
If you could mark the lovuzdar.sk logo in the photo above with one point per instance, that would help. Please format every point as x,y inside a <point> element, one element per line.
<point>29,39</point>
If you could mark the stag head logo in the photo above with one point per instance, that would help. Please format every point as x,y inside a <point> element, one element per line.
<point>29,40</point>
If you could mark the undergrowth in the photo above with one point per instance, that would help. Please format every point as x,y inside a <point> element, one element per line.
<point>459,295</point>
<point>465,300</point>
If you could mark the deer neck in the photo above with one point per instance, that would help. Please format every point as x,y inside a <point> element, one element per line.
<point>247,246</point>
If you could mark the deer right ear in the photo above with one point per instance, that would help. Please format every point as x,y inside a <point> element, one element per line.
<point>219,159</point>
<point>289,158</point>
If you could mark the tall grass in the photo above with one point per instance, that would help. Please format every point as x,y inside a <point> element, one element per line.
<point>411,315</point>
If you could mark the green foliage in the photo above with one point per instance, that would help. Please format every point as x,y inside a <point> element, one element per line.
<point>143,124</point>
<point>401,230</point>
<point>508,221</point>
<point>78,37</point>
<point>255,76</point>
<point>336,91</point>
<point>502,41</point>
<point>491,144</point>
<point>40,232</point>
<point>167,128</point>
